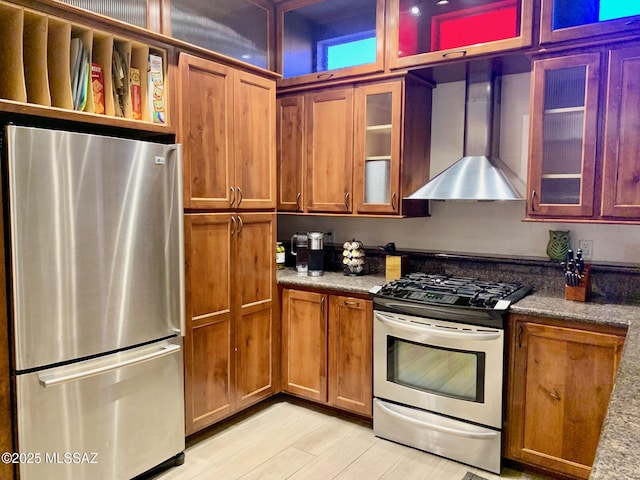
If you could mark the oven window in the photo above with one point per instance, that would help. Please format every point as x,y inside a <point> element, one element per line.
<point>443,371</point>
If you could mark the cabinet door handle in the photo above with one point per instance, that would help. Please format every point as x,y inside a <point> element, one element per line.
<point>322,306</point>
<point>520,332</point>
<point>233,196</point>
<point>555,395</point>
<point>393,200</point>
<point>352,303</point>
<point>533,196</point>
<point>240,224</point>
<point>298,206</point>
<point>346,199</point>
<point>324,76</point>
<point>455,53</point>
<point>239,195</point>
<point>233,221</point>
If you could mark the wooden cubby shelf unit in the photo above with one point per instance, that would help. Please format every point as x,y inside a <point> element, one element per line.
<point>35,53</point>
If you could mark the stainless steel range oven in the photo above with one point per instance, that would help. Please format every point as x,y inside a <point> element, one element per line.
<point>438,365</point>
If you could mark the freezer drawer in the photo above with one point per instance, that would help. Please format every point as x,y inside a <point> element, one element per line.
<point>108,418</point>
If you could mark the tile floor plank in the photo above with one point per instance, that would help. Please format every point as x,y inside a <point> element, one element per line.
<point>285,440</point>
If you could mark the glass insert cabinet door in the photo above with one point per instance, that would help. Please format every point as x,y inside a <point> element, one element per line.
<point>319,40</point>
<point>377,147</point>
<point>436,30</point>
<point>570,19</point>
<point>236,28</point>
<point>563,135</point>
<point>134,12</point>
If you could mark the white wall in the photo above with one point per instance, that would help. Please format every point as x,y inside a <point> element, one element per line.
<point>475,227</point>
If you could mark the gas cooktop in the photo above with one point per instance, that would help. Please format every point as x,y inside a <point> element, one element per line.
<point>452,291</point>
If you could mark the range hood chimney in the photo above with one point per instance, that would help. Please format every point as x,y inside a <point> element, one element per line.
<point>479,174</point>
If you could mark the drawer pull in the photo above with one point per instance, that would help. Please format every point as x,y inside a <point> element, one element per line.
<point>455,53</point>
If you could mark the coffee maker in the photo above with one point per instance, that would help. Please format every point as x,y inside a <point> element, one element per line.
<point>316,254</point>
<point>300,249</point>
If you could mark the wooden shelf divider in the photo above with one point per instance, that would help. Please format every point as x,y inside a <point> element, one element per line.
<point>35,54</point>
<point>12,84</point>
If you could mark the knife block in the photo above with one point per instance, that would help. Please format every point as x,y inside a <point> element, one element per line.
<point>582,291</point>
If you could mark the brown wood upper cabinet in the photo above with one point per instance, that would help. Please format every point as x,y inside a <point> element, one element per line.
<point>560,381</point>
<point>354,149</point>
<point>582,20</point>
<point>421,32</point>
<point>570,148</point>
<point>227,128</point>
<point>229,338</point>
<point>327,349</point>
<point>319,40</point>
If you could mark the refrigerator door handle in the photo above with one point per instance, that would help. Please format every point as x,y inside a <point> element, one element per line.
<point>52,380</point>
<point>177,150</point>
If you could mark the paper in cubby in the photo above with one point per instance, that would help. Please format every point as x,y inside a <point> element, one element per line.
<point>79,73</point>
<point>120,81</point>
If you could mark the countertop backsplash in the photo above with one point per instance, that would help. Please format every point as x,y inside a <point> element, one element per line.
<point>609,283</point>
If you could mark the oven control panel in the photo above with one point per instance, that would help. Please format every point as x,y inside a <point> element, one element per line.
<point>433,297</point>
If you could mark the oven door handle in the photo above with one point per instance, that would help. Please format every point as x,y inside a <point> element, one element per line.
<point>439,428</point>
<point>438,332</point>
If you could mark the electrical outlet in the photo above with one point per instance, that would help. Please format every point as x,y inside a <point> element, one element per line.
<point>329,235</point>
<point>587,248</point>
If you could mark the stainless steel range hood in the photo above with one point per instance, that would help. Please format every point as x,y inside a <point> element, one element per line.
<point>480,174</point>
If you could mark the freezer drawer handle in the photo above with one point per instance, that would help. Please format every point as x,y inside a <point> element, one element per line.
<point>51,381</point>
<point>440,428</point>
<point>437,332</point>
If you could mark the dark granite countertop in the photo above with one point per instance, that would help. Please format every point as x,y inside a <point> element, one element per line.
<point>617,456</point>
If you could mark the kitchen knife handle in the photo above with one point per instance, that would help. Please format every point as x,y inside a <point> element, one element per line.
<point>393,200</point>
<point>233,196</point>
<point>233,220</point>
<point>239,195</point>
<point>298,206</point>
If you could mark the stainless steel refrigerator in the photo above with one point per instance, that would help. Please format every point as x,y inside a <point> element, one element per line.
<point>97,303</point>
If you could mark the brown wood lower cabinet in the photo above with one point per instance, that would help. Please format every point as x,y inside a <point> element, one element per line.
<point>560,379</point>
<point>327,349</point>
<point>229,338</point>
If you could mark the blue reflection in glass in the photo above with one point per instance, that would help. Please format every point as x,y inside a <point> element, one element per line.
<point>612,9</point>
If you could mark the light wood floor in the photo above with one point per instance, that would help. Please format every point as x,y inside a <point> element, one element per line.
<point>288,440</point>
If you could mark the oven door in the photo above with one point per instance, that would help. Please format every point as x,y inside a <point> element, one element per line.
<point>443,367</point>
